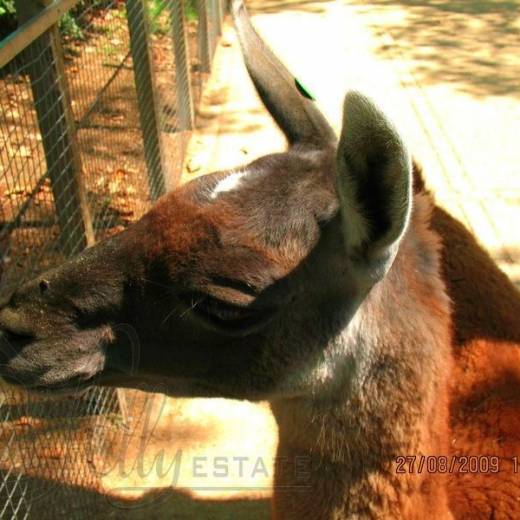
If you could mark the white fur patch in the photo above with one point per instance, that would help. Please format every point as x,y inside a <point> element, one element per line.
<point>229,183</point>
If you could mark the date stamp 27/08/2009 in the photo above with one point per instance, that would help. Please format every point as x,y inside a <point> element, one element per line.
<point>456,464</point>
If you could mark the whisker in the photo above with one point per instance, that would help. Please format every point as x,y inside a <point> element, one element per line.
<point>158,284</point>
<point>192,306</point>
<point>8,347</point>
<point>169,315</point>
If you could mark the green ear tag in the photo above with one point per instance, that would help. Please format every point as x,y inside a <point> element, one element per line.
<point>303,90</point>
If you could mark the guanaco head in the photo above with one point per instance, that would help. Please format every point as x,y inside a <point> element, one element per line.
<point>238,283</point>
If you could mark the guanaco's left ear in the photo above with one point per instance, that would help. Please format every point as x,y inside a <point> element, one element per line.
<point>374,183</point>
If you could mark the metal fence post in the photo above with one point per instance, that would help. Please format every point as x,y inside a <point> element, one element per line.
<point>56,122</point>
<point>203,36</point>
<point>220,16</point>
<point>213,24</point>
<point>146,95</point>
<point>182,68</point>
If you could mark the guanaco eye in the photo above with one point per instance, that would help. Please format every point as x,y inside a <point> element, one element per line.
<point>224,315</point>
<point>223,311</point>
<point>44,285</point>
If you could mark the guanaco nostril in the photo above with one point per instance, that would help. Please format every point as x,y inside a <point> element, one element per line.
<point>7,342</point>
<point>7,335</point>
<point>44,285</point>
<point>4,300</point>
<point>14,328</point>
<point>11,345</point>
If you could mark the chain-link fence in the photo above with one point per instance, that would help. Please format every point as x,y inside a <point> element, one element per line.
<point>96,106</point>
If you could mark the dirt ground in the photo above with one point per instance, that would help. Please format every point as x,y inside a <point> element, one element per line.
<point>103,100</point>
<point>447,73</point>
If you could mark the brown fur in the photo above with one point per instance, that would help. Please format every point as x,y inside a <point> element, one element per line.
<point>376,326</point>
<point>475,388</point>
<point>355,474</point>
<point>485,401</point>
<point>485,387</point>
<point>439,334</point>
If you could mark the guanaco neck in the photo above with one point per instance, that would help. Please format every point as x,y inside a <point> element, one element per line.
<point>337,455</point>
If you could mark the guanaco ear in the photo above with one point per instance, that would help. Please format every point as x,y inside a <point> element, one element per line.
<point>374,182</point>
<point>291,106</point>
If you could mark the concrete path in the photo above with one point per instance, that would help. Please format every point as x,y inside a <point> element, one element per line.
<point>447,73</point>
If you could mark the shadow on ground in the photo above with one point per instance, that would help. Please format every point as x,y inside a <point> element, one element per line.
<point>275,6</point>
<point>211,118</point>
<point>51,500</point>
<point>168,503</point>
<point>511,258</point>
<point>473,45</point>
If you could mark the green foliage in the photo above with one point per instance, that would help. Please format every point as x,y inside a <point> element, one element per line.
<point>7,17</point>
<point>7,8</point>
<point>72,23</point>
<point>156,8</point>
<point>70,27</point>
<point>191,10</point>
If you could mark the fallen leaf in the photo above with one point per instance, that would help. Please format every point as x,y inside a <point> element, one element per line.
<point>50,453</point>
<point>24,421</point>
<point>24,151</point>
<point>113,186</point>
<point>193,166</point>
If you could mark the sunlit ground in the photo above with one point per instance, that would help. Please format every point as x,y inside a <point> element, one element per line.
<point>216,448</point>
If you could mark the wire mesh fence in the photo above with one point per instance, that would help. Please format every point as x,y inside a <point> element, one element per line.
<point>97,103</point>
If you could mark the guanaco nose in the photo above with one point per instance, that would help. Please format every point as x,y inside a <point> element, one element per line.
<point>13,327</point>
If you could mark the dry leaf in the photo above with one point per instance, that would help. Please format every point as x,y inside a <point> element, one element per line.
<point>24,151</point>
<point>193,166</point>
<point>113,186</point>
<point>50,453</point>
<point>25,421</point>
